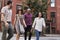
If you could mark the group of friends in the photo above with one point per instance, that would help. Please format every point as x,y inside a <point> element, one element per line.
<point>22,19</point>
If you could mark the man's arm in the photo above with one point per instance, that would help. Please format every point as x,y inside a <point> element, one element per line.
<point>3,16</point>
<point>3,20</point>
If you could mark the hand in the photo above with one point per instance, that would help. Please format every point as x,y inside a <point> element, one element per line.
<point>25,26</point>
<point>6,24</point>
<point>31,30</point>
<point>44,30</point>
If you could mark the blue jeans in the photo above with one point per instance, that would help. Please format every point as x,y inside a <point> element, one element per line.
<point>37,33</point>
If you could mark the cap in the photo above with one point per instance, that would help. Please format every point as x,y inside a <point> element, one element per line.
<point>28,9</point>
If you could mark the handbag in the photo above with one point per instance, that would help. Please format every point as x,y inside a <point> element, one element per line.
<point>21,27</point>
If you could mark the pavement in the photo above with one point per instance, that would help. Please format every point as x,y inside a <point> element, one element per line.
<point>53,37</point>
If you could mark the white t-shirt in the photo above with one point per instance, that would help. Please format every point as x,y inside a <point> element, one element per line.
<point>39,23</point>
<point>7,13</point>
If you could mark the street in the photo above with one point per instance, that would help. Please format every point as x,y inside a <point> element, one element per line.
<point>33,38</point>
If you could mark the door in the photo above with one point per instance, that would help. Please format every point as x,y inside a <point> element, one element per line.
<point>53,22</point>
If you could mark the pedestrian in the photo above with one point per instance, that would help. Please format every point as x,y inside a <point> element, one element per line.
<point>28,20</point>
<point>38,24</point>
<point>20,22</point>
<point>6,21</point>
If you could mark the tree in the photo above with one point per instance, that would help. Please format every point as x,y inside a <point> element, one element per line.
<point>38,5</point>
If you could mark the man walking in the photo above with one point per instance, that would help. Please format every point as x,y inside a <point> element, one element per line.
<point>28,20</point>
<point>6,19</point>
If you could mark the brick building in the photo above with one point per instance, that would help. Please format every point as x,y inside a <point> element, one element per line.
<point>53,13</point>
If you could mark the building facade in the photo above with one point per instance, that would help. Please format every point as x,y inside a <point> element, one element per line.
<point>53,13</point>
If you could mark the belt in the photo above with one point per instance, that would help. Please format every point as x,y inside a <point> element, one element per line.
<point>8,22</point>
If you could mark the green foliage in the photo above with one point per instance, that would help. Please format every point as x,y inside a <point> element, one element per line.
<point>38,6</point>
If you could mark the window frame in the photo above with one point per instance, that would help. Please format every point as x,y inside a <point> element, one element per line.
<point>52,4</point>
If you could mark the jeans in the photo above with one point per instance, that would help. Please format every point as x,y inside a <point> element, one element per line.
<point>37,33</point>
<point>8,30</point>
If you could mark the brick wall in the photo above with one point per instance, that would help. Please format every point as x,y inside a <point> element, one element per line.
<point>58,15</point>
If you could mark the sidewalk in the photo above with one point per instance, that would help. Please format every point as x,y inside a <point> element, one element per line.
<point>33,38</point>
<point>52,35</point>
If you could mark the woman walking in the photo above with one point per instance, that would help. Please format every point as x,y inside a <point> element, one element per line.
<point>19,22</point>
<point>38,24</point>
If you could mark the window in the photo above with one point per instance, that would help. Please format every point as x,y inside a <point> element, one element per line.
<point>52,3</point>
<point>53,18</point>
<point>53,22</point>
<point>53,14</point>
<point>18,7</point>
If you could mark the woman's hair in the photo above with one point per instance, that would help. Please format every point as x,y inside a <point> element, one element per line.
<point>38,14</point>
<point>19,10</point>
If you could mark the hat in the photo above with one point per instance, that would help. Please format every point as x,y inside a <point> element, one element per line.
<point>28,9</point>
